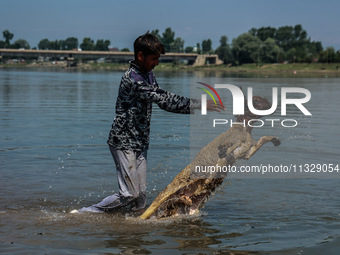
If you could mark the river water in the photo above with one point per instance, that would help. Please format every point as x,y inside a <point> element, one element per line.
<point>54,158</point>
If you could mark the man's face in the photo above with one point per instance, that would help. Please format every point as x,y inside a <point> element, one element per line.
<point>148,62</point>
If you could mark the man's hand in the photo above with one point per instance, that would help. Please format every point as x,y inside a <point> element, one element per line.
<point>211,106</point>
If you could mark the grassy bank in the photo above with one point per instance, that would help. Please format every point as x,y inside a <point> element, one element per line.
<point>253,68</point>
<point>293,68</point>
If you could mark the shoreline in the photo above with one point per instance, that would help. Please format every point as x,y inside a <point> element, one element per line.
<point>332,69</point>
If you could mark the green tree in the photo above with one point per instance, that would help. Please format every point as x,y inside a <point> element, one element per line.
<point>291,55</point>
<point>263,33</point>
<point>189,49</point>
<point>206,46</point>
<point>44,44</point>
<point>315,48</point>
<point>313,51</point>
<point>288,37</point>
<point>87,44</point>
<point>177,45</point>
<point>293,41</point>
<point>61,45</point>
<point>284,37</point>
<point>125,50</point>
<point>198,48</point>
<point>337,57</point>
<point>328,55</point>
<point>168,38</point>
<point>224,51</point>
<point>55,45</point>
<point>300,36</point>
<point>171,44</point>
<point>70,43</point>
<point>269,51</point>
<point>8,37</point>
<point>102,45</point>
<point>156,33</point>
<point>245,48</point>
<point>20,44</point>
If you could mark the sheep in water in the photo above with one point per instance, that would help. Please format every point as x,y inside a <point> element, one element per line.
<point>190,189</point>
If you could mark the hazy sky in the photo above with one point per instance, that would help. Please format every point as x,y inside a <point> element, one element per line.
<point>122,21</point>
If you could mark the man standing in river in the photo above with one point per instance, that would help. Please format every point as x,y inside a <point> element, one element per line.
<point>129,136</point>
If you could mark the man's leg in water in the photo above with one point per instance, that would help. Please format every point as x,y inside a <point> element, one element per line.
<point>131,173</point>
<point>140,202</point>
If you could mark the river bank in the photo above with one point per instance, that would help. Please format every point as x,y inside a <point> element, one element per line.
<point>324,69</point>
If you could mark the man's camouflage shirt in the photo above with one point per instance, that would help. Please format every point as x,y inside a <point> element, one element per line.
<point>137,91</point>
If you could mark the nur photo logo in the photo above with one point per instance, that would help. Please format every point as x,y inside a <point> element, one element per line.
<point>204,97</point>
<point>241,102</point>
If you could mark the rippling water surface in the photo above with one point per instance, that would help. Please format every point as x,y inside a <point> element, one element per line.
<point>54,158</point>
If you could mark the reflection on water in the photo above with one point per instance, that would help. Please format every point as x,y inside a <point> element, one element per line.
<point>54,158</point>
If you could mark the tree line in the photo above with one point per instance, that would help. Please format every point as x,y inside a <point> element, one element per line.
<point>258,45</point>
<point>275,45</point>
<point>70,43</point>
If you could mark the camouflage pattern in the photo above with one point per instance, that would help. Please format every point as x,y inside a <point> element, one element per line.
<point>137,91</point>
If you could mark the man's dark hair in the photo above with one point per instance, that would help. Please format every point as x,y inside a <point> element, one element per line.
<point>148,44</point>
